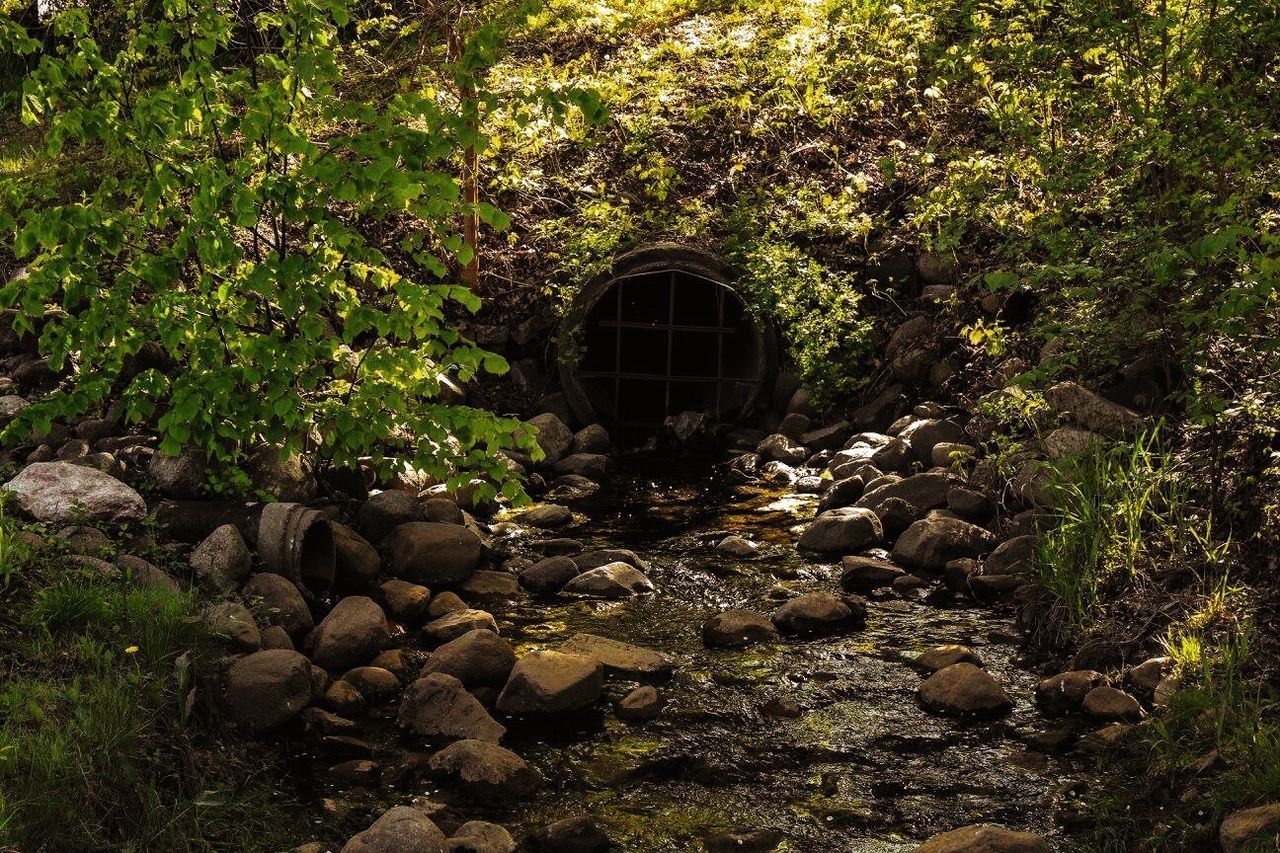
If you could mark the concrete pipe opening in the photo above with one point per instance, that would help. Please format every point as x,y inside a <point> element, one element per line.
<point>665,333</point>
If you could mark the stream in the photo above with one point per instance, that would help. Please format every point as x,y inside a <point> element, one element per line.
<point>862,768</point>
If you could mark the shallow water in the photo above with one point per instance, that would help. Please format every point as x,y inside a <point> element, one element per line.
<point>862,769</point>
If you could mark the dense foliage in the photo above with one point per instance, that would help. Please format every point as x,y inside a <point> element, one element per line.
<point>246,248</point>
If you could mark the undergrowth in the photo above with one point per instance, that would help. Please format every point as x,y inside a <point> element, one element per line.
<point>97,747</point>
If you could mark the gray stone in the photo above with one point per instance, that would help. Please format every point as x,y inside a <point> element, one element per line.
<point>924,491</point>
<point>401,829</point>
<point>984,839</point>
<point>266,689</point>
<point>278,602</point>
<point>1011,557</point>
<point>735,629</point>
<point>578,834</point>
<point>430,552</point>
<point>183,476</point>
<point>552,436</point>
<point>842,531</point>
<point>60,492</point>
<point>546,516</point>
<point>1066,691</point>
<point>386,511</point>
<point>455,623</point>
<point>819,612</point>
<point>222,560</point>
<point>941,657</point>
<point>353,633</point>
<point>480,836</point>
<point>963,689</point>
<point>613,580</point>
<point>356,562</point>
<point>864,574</point>
<point>1250,825</point>
<point>549,575</point>
<point>478,658</point>
<point>621,658</point>
<point>643,703</point>
<point>485,771</point>
<point>404,601</point>
<point>232,622</point>
<point>1112,705</point>
<point>551,682</point>
<point>932,542</point>
<point>590,439</point>
<point>1092,411</point>
<point>438,705</point>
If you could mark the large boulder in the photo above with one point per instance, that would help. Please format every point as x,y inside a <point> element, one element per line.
<point>984,839</point>
<point>222,560</point>
<point>480,836</point>
<point>479,658</point>
<point>551,682</point>
<point>455,623</point>
<point>932,542</point>
<point>401,829</point>
<point>621,658</point>
<point>612,580</point>
<point>1065,691</point>
<point>278,602</point>
<point>356,562</point>
<point>431,552</point>
<point>924,435</point>
<point>231,622</point>
<point>549,575</point>
<point>183,476</point>
<point>1092,411</point>
<point>841,531</point>
<point>1112,705</point>
<point>60,492</point>
<point>963,689</point>
<point>593,466</point>
<point>438,705</point>
<point>353,632</point>
<point>864,574</point>
<point>485,771</point>
<point>819,612</point>
<point>266,689</point>
<point>1012,557</point>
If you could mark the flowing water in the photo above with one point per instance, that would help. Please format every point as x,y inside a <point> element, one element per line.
<point>862,768</point>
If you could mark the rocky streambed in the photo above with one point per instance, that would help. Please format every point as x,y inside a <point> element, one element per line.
<point>814,736</point>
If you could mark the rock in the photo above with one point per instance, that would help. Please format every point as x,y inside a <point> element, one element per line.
<point>613,580</point>
<point>265,689</point>
<point>1146,676</point>
<point>924,435</point>
<point>895,515</point>
<point>826,438</point>
<point>478,658</point>
<point>144,574</point>
<point>620,658</point>
<point>10,406</point>
<point>342,697</point>
<point>577,834</point>
<point>743,841</point>
<point>445,603</point>
<point>393,661</point>
<point>970,505</point>
<point>819,612</point>
<point>924,491</point>
<point>546,516</point>
<point>1110,704</point>
<point>793,426</point>
<point>950,454</point>
<point>490,584</point>
<point>571,487</point>
<point>275,637</point>
<point>593,466</point>
<point>963,689</point>
<point>780,448</point>
<point>358,772</point>
<point>1066,691</point>
<point>404,601</point>
<point>942,657</point>
<point>1012,557</point>
<point>479,836</point>
<point>356,562</point>
<point>278,602</point>
<point>736,629</point>
<point>438,705</point>
<point>549,575</point>
<point>552,436</point>
<point>60,492</point>
<point>377,685</point>
<point>932,542</point>
<point>551,682</point>
<point>596,559</point>
<point>864,574</point>
<point>590,439</point>
<point>286,477</point>
<point>841,493</point>
<point>458,622</point>
<point>183,476</point>
<point>430,552</point>
<point>485,771</point>
<point>989,588</point>
<point>1247,825</point>
<point>353,632</point>
<point>232,622</point>
<point>401,829</point>
<point>643,703</point>
<point>222,560</point>
<point>984,839</point>
<point>385,511</point>
<point>736,546</point>
<point>1069,441</point>
<point>1092,411</point>
<point>841,531</point>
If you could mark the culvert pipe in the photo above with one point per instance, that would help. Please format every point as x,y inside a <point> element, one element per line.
<point>664,332</point>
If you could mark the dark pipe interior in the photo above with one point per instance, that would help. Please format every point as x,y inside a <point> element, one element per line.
<point>316,567</point>
<point>660,343</point>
